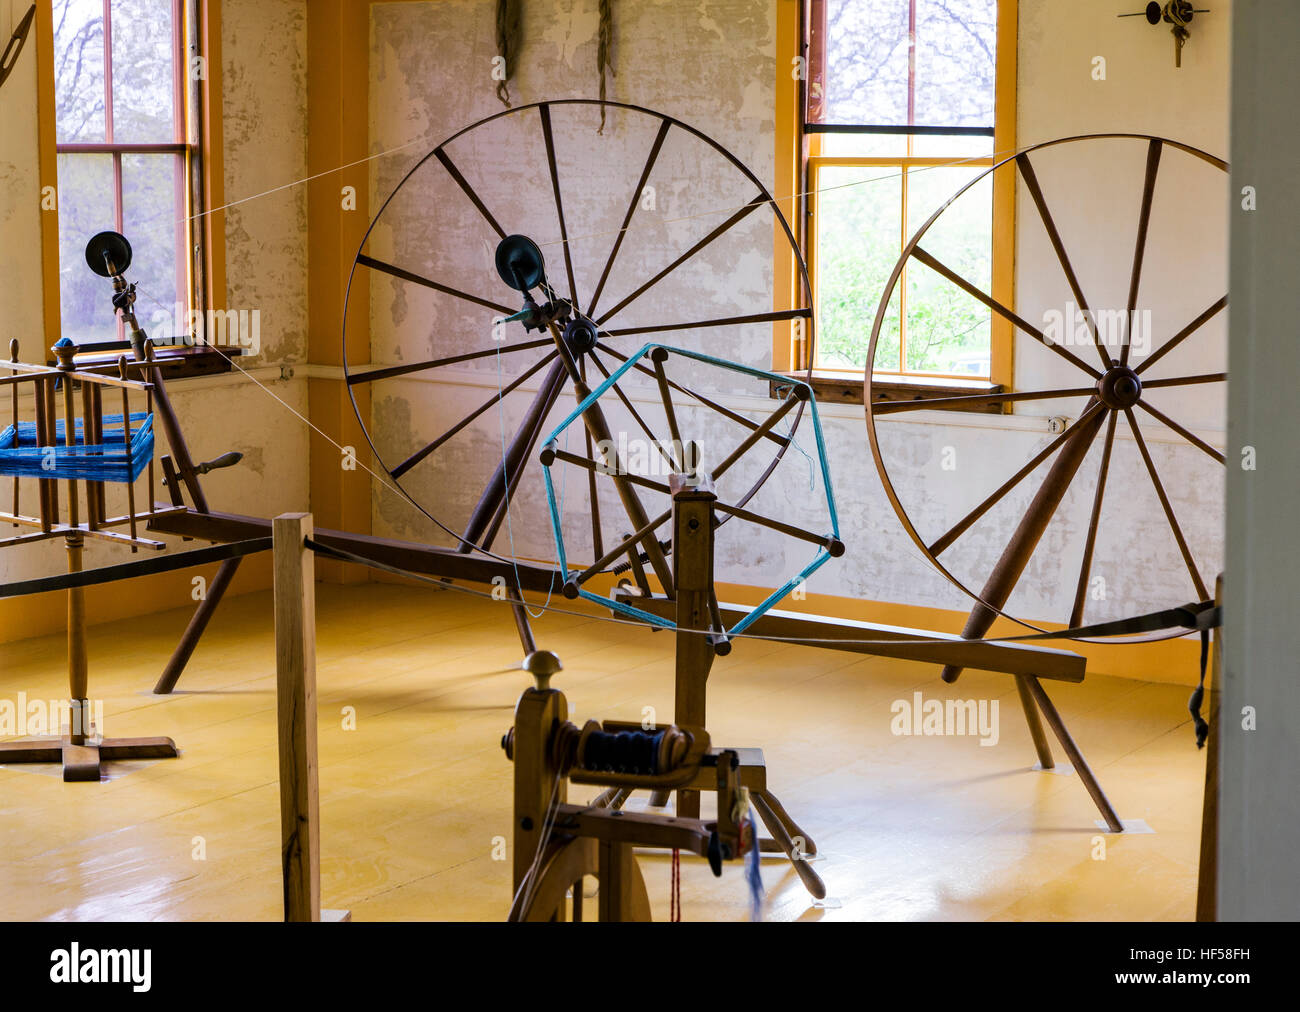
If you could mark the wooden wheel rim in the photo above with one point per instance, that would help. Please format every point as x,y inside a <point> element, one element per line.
<point>908,253</point>
<point>763,198</point>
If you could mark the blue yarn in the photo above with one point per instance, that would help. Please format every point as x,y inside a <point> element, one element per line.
<point>822,556</point>
<point>110,460</point>
<point>753,873</point>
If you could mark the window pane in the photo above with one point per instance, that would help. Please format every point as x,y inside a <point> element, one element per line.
<point>859,235</point>
<point>956,41</point>
<point>144,67</point>
<point>79,70</point>
<point>948,331</point>
<point>948,146</point>
<point>85,209</point>
<point>151,195</point>
<point>864,145</point>
<point>867,49</point>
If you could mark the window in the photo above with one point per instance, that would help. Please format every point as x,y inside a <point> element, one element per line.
<point>127,141</point>
<point>903,108</point>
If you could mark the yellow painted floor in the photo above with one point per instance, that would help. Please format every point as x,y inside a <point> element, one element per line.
<point>911,827</point>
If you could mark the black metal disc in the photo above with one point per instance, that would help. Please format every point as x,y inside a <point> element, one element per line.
<point>520,263</point>
<point>1153,12</point>
<point>108,253</point>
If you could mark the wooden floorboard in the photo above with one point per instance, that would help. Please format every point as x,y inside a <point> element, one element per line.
<point>911,827</point>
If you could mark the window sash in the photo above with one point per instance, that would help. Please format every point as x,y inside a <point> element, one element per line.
<point>184,146</point>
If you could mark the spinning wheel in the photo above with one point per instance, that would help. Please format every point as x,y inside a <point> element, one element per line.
<point>630,221</point>
<point>1101,382</point>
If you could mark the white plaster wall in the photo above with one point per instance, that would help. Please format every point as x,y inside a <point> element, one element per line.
<point>713,65</point>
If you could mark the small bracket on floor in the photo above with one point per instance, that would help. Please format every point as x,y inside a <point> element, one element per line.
<point>1130,826</point>
<point>1060,769</point>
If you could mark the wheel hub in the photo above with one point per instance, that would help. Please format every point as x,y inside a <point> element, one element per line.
<point>1120,388</point>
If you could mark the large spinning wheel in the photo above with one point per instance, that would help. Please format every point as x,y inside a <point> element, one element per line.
<point>632,223</point>
<point>1094,385</point>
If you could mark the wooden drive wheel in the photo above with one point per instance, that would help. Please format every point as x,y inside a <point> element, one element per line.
<point>1102,373</point>
<point>557,892</point>
<point>637,226</point>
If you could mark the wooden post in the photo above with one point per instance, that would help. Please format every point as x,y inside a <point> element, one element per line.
<point>693,583</point>
<point>295,677</point>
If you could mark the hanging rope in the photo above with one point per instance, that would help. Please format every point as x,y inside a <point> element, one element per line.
<point>509,39</point>
<point>604,39</point>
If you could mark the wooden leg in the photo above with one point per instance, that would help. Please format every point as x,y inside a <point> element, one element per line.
<point>808,846</point>
<point>811,880</point>
<point>198,624</point>
<point>522,625</point>
<point>1036,732</point>
<point>622,894</point>
<point>1002,581</point>
<point>78,665</point>
<point>1076,757</point>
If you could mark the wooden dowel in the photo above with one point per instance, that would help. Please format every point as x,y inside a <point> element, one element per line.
<point>13,390</point>
<point>126,440</point>
<point>295,664</point>
<point>88,430</point>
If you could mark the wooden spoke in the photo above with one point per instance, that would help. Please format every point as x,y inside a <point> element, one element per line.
<point>625,547</point>
<point>398,272</point>
<point>775,525</point>
<point>420,455</point>
<point>1139,250</point>
<point>1182,335</point>
<point>1094,522</point>
<point>631,209</point>
<point>454,172</point>
<point>709,403</point>
<point>636,415</point>
<point>666,396</point>
<point>1186,434</point>
<point>1002,310</point>
<point>754,437</point>
<point>1183,381</point>
<point>1165,504</point>
<point>965,523</point>
<point>1036,192</point>
<point>971,400</point>
<point>597,540</point>
<point>596,468</point>
<point>388,372</point>
<point>739,216</point>
<point>544,111</point>
<point>661,328</point>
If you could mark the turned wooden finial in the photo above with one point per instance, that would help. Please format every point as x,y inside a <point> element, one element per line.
<point>64,350</point>
<point>122,367</point>
<point>13,349</point>
<point>542,664</point>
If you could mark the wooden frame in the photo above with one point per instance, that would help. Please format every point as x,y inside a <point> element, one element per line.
<point>200,148</point>
<point>794,29</point>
